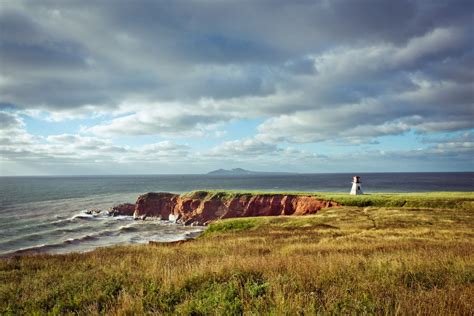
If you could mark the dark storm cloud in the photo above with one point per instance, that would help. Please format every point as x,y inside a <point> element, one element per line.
<point>312,69</point>
<point>455,69</point>
<point>267,31</point>
<point>24,44</point>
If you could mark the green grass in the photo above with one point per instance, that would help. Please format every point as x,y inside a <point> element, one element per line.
<point>417,200</point>
<point>230,194</point>
<point>237,224</point>
<point>347,260</point>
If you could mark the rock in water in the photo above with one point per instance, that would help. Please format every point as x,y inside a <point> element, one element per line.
<point>126,209</point>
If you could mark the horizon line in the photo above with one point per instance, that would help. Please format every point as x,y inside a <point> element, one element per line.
<point>257,173</point>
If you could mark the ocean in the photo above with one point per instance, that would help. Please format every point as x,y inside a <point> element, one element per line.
<point>49,214</point>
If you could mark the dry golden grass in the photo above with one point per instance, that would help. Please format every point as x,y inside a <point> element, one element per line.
<point>345,261</point>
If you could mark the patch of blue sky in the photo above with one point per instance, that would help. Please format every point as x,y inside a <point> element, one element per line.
<point>240,129</point>
<point>406,141</point>
<point>447,136</point>
<point>42,126</point>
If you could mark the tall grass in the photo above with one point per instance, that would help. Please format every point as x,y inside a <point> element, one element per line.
<point>346,260</point>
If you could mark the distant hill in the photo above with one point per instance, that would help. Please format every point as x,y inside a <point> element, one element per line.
<point>240,171</point>
<point>235,171</point>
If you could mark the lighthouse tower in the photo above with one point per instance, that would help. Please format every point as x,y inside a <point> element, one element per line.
<point>356,186</point>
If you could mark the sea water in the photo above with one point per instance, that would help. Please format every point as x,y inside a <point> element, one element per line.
<point>51,214</point>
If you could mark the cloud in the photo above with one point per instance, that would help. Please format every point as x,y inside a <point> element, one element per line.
<point>163,151</point>
<point>174,51</point>
<point>9,121</point>
<point>335,72</point>
<point>372,91</point>
<point>12,132</point>
<point>457,145</point>
<point>17,144</point>
<point>162,119</point>
<point>263,155</point>
<point>243,148</point>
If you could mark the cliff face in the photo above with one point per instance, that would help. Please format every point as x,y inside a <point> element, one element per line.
<point>202,208</point>
<point>155,205</point>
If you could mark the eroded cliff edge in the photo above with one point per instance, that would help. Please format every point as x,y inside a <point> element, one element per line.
<point>202,207</point>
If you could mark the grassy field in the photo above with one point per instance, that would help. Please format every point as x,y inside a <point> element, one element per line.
<point>395,254</point>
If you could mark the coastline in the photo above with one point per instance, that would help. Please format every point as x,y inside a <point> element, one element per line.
<point>205,207</point>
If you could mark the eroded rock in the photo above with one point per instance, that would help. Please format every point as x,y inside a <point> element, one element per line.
<point>126,209</point>
<point>201,209</point>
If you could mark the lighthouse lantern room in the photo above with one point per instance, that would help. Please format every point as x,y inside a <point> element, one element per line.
<point>356,186</point>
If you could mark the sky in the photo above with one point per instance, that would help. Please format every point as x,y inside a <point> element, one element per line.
<point>160,87</point>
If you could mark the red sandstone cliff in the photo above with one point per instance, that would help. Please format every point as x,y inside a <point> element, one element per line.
<point>155,205</point>
<point>202,207</point>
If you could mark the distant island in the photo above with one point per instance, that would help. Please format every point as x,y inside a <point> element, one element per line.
<point>240,171</point>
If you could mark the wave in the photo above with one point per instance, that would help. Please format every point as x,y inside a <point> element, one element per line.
<point>89,214</point>
<point>62,221</point>
<point>122,218</point>
<point>42,248</point>
<point>128,228</point>
<point>45,234</point>
<point>28,250</point>
<point>81,239</point>
<point>103,233</point>
<point>85,231</point>
<point>41,231</point>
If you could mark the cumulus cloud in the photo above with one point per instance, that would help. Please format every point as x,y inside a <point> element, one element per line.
<point>378,90</point>
<point>346,72</point>
<point>452,146</point>
<point>9,121</point>
<point>161,119</point>
<point>263,154</point>
<point>244,147</point>
<point>17,144</point>
<point>12,132</point>
<point>360,92</point>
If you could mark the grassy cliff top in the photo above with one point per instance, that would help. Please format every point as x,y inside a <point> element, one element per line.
<point>420,200</point>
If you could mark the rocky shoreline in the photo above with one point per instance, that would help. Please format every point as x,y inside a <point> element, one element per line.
<point>201,208</point>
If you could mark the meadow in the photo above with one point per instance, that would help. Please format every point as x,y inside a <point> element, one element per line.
<point>396,254</point>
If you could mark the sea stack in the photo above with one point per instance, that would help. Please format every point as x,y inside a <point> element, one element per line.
<point>356,186</point>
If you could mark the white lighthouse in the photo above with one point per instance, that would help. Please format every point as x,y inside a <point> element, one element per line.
<point>356,186</point>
